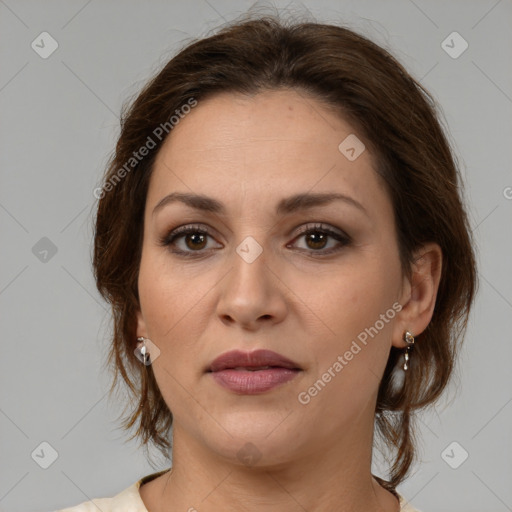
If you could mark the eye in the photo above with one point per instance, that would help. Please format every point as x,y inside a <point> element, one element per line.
<point>316,238</point>
<point>194,239</point>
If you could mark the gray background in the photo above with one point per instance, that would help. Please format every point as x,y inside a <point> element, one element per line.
<point>58,123</point>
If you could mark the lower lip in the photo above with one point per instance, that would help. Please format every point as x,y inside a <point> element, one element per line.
<point>246,382</point>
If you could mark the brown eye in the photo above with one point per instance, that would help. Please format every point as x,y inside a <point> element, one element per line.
<point>317,238</point>
<point>195,239</point>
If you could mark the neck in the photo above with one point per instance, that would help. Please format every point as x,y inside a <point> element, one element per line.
<point>331,476</point>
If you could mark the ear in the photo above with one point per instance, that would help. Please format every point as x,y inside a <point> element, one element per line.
<point>419,293</point>
<point>141,325</point>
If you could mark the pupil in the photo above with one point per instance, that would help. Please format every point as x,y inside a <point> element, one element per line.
<point>193,236</point>
<point>320,242</point>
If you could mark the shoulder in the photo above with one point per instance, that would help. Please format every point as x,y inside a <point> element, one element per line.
<point>405,506</point>
<point>128,500</point>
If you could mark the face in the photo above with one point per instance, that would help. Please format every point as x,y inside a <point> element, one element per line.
<point>318,282</point>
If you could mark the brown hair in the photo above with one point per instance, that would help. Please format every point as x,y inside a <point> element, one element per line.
<point>398,120</point>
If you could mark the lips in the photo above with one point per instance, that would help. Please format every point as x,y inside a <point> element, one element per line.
<point>251,361</point>
<point>251,373</point>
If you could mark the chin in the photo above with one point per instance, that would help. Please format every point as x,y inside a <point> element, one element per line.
<point>256,439</point>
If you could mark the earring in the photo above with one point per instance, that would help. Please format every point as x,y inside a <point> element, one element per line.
<point>143,351</point>
<point>409,339</point>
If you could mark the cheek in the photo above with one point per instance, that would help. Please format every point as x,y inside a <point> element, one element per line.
<point>356,313</point>
<point>169,298</point>
<point>167,306</point>
<point>349,302</point>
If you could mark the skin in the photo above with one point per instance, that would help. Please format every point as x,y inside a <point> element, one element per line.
<point>248,153</point>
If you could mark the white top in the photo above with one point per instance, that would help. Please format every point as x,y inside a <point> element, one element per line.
<point>129,500</point>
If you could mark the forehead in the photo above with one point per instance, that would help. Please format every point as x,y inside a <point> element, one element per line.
<point>272,141</point>
<point>236,122</point>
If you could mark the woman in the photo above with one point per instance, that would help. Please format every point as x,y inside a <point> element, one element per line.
<point>282,239</point>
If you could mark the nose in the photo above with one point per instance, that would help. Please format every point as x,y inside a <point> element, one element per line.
<point>251,295</point>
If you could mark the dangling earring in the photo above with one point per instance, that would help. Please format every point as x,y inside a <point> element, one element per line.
<point>143,351</point>
<point>409,339</point>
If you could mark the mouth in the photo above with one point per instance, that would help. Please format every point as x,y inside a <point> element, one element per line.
<point>252,372</point>
<point>251,361</point>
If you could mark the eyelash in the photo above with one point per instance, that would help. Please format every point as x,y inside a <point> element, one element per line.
<point>170,239</point>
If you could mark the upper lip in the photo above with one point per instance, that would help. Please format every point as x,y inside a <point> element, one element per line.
<point>255,359</point>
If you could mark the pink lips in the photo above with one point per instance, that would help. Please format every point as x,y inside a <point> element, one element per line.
<point>251,373</point>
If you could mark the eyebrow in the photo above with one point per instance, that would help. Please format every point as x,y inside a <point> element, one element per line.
<point>285,206</point>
